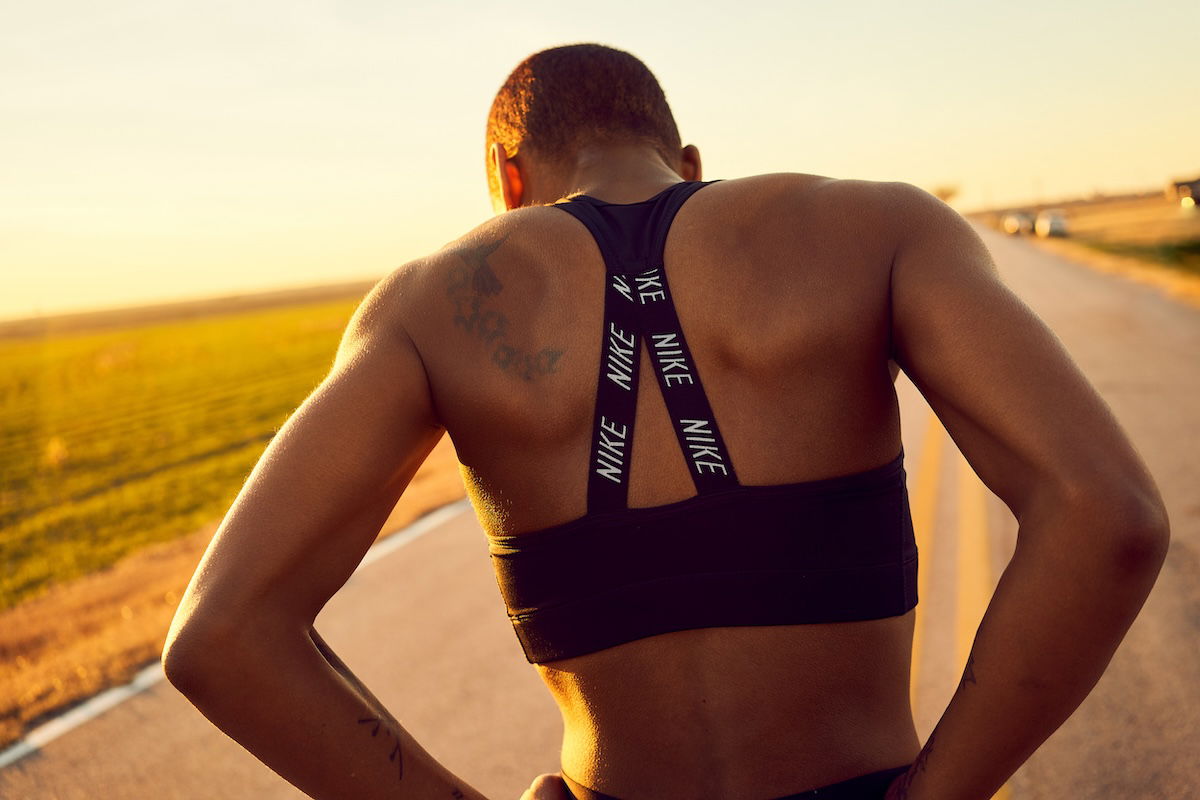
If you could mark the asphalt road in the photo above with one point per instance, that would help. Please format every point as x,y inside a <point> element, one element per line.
<point>424,626</point>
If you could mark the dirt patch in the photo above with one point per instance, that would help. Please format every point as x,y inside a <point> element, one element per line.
<point>82,637</point>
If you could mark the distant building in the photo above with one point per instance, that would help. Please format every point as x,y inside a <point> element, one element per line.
<point>1177,190</point>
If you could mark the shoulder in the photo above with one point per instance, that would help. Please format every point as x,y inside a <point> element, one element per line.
<point>514,229</point>
<point>401,303</point>
<point>523,234</point>
<point>898,216</point>
<point>796,184</point>
<point>877,204</point>
<point>884,203</point>
<point>864,221</point>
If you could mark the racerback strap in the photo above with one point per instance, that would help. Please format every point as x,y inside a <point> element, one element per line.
<point>638,309</point>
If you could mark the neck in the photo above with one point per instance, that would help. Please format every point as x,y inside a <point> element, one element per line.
<point>617,173</point>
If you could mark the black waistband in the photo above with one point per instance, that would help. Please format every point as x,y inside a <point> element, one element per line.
<point>872,786</point>
<point>638,308</point>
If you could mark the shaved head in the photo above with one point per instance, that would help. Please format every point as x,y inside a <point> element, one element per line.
<point>559,99</point>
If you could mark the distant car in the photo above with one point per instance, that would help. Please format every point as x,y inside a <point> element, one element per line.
<point>1017,223</point>
<point>1051,223</point>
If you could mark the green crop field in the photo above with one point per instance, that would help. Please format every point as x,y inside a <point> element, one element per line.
<point>111,440</point>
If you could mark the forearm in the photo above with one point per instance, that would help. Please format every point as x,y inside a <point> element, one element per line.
<point>342,669</point>
<point>1057,616</point>
<point>304,714</point>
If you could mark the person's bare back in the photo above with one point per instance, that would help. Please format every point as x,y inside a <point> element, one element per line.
<point>781,283</point>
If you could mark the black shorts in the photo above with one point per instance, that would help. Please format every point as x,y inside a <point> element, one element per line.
<point>871,786</point>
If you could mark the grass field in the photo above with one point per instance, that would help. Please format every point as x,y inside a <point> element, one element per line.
<point>116,439</point>
<point>121,446</point>
<point>82,636</point>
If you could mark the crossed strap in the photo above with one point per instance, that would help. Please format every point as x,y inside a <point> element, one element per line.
<point>638,308</point>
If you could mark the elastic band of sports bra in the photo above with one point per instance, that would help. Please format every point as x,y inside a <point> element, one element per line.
<point>865,483</point>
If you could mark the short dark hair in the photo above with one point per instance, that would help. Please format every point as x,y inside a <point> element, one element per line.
<point>558,98</point>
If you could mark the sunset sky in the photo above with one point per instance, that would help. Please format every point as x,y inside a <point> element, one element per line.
<point>156,150</point>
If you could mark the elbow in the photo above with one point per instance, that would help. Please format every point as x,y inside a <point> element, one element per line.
<point>1142,536</point>
<point>181,665</point>
<point>191,658</point>
<point>1133,529</point>
<point>1117,527</point>
<point>207,652</point>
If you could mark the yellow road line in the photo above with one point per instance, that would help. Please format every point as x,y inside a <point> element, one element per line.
<point>974,582</point>
<point>976,577</point>
<point>924,508</point>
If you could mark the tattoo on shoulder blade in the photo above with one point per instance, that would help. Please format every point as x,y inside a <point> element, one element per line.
<point>527,365</point>
<point>395,755</point>
<point>470,286</point>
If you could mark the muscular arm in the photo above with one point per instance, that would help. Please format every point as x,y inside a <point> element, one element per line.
<point>1092,529</point>
<point>242,647</point>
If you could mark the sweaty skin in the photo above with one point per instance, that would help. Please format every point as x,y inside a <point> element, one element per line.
<point>796,293</point>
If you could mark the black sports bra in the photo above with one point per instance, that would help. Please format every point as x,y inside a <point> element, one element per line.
<point>830,550</point>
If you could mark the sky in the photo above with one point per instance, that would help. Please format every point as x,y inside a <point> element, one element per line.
<point>156,149</point>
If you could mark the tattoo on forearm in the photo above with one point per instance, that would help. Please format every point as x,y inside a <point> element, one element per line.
<point>968,675</point>
<point>395,756</point>
<point>347,674</point>
<point>470,286</point>
<point>918,766</point>
<point>456,794</point>
<point>923,756</point>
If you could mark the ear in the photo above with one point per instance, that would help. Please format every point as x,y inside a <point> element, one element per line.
<point>509,178</point>
<point>689,164</point>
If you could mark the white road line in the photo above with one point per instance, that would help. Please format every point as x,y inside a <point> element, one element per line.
<point>42,735</point>
<point>413,531</point>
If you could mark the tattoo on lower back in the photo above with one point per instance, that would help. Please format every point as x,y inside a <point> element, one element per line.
<point>472,286</point>
<point>394,755</point>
